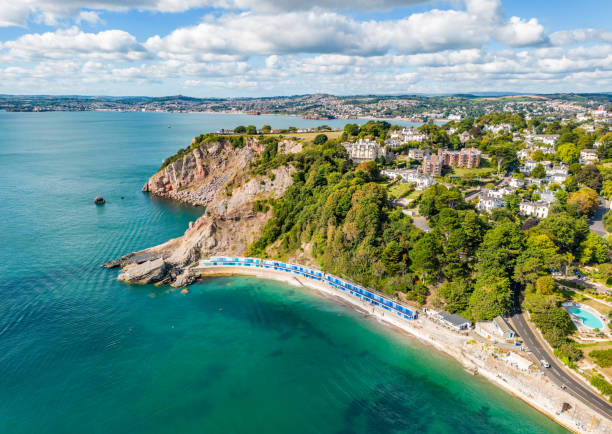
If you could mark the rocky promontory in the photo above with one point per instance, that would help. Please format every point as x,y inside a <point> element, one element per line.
<point>217,175</point>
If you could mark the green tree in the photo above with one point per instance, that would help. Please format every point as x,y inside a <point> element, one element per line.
<point>424,256</point>
<point>251,130</point>
<point>240,129</point>
<point>538,172</point>
<point>266,129</point>
<point>594,250</point>
<point>568,153</point>
<point>490,299</point>
<point>513,203</point>
<point>546,285</point>
<point>590,176</point>
<point>320,139</point>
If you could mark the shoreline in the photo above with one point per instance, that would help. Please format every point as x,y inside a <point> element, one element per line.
<point>532,388</point>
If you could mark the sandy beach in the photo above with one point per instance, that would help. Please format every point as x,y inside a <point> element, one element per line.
<point>477,356</point>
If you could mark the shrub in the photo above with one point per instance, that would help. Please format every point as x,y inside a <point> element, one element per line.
<point>602,357</point>
<point>601,384</point>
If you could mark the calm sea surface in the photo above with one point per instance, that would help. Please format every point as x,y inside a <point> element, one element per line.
<point>83,353</point>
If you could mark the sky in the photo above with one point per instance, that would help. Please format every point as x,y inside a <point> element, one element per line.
<point>235,48</point>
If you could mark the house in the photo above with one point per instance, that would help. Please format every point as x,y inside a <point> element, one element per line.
<point>365,150</point>
<point>502,328</point>
<point>588,156</point>
<point>393,143</point>
<point>522,154</point>
<point>408,176</point>
<point>534,181</point>
<point>432,165</point>
<point>547,139</point>
<point>557,174</point>
<point>464,137</point>
<point>547,196</point>
<point>536,209</point>
<point>501,128</point>
<point>488,202</point>
<point>454,321</point>
<point>418,154</point>
<point>528,166</point>
<point>516,183</point>
<point>410,135</point>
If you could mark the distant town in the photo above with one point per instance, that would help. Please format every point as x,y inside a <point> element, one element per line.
<point>408,107</point>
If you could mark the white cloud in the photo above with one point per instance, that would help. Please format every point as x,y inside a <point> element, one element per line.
<point>89,17</point>
<point>519,33</point>
<point>66,44</point>
<point>577,36</point>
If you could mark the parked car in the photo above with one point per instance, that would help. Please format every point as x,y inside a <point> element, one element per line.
<point>545,363</point>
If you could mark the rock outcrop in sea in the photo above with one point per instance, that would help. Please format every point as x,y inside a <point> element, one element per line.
<point>217,176</point>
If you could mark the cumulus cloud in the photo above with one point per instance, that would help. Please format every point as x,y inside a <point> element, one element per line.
<point>520,33</point>
<point>577,36</point>
<point>17,13</point>
<point>65,44</point>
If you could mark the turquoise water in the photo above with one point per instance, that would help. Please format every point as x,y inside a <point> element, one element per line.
<point>81,352</point>
<point>588,319</point>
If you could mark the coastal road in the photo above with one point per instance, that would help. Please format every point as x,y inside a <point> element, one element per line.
<point>557,372</point>
<point>596,223</point>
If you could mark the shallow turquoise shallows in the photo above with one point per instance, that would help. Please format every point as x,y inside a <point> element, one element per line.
<point>83,353</point>
<point>587,318</point>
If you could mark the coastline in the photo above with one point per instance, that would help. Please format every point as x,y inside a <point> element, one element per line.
<point>531,387</point>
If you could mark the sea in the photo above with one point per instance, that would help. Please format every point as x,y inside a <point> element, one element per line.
<point>81,352</point>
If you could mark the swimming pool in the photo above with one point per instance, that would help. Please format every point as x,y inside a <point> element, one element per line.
<point>587,318</point>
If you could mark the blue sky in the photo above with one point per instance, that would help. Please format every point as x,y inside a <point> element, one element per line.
<point>278,47</point>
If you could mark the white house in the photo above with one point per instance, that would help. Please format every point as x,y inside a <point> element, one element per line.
<point>536,209</point>
<point>588,156</point>
<point>488,202</point>
<point>501,128</point>
<point>547,196</point>
<point>420,180</point>
<point>364,150</point>
<point>516,183</point>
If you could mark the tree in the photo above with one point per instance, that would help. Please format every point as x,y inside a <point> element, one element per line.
<point>266,129</point>
<point>566,231</point>
<point>586,200</point>
<point>590,176</point>
<point>546,285</point>
<point>320,139</point>
<point>240,129</point>
<point>606,189</point>
<point>351,129</point>
<point>513,202</point>
<point>568,152</point>
<point>490,299</point>
<point>538,172</point>
<point>251,130</point>
<point>424,256</point>
<point>594,250</point>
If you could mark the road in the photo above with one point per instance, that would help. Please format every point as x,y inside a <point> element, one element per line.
<point>557,372</point>
<point>596,222</point>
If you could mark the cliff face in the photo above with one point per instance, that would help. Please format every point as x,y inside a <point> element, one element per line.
<point>197,176</point>
<point>215,175</point>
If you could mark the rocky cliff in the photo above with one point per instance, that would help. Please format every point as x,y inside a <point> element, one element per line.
<point>216,175</point>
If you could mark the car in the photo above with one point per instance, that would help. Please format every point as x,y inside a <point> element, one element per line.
<point>545,363</point>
